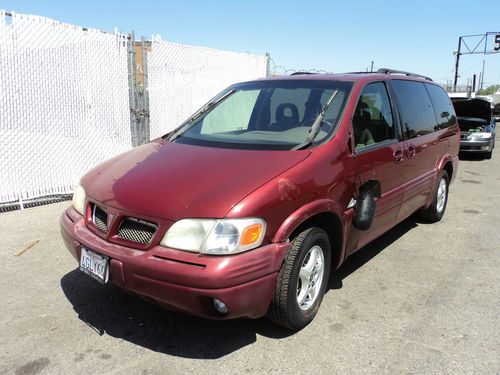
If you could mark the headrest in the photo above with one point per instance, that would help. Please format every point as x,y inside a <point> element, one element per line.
<point>287,112</point>
<point>362,112</point>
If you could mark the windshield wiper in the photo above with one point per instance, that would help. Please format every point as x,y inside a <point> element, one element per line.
<point>197,115</point>
<point>316,126</point>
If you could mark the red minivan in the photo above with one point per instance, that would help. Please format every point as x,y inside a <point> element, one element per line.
<point>244,209</point>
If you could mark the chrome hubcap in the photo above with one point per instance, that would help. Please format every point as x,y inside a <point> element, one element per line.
<point>441,195</point>
<point>310,278</point>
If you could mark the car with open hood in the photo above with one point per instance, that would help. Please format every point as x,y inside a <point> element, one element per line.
<point>496,112</point>
<point>477,125</point>
<point>246,207</point>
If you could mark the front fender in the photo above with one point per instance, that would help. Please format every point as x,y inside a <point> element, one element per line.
<point>305,212</point>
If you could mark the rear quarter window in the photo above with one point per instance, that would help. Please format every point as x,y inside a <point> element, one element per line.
<point>443,107</point>
<point>415,108</point>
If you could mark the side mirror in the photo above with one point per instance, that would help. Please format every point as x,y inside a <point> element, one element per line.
<point>364,210</point>
<point>350,144</point>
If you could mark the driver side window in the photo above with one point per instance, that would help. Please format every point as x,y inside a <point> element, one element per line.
<point>373,120</point>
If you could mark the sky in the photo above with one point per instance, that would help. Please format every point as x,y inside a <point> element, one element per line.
<point>332,36</point>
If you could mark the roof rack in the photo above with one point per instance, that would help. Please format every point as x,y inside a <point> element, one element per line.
<point>365,72</point>
<point>393,71</point>
<point>299,73</point>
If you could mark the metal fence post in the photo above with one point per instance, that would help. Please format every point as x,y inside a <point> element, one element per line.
<point>268,64</point>
<point>132,89</point>
<point>145,92</point>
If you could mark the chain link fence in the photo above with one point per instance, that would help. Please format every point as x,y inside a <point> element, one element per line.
<point>182,78</point>
<point>71,98</point>
<point>63,104</point>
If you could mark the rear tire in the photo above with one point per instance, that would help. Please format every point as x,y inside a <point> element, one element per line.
<point>435,211</point>
<point>302,280</point>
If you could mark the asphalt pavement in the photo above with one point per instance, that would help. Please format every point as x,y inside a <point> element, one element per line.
<point>421,299</point>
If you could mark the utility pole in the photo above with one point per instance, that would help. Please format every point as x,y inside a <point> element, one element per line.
<point>482,77</point>
<point>371,68</point>
<point>456,65</point>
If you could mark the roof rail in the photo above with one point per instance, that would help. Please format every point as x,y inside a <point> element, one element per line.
<point>299,73</point>
<point>393,71</point>
<point>365,72</point>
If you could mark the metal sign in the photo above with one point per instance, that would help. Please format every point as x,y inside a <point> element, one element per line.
<point>479,44</point>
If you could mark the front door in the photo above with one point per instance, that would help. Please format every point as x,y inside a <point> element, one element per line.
<point>380,156</point>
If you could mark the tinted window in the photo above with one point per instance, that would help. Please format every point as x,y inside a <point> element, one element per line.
<point>372,121</point>
<point>443,108</point>
<point>415,108</point>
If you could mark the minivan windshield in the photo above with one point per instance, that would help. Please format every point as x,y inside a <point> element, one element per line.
<point>272,115</point>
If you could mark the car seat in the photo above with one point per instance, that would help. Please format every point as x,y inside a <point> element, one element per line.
<point>287,117</point>
<point>361,123</point>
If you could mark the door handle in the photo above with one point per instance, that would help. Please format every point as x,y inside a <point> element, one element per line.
<point>411,151</point>
<point>398,156</point>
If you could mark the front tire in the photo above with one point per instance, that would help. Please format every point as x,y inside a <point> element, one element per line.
<point>302,280</point>
<point>435,211</point>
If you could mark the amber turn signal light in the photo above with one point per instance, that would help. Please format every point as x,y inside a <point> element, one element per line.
<point>251,234</point>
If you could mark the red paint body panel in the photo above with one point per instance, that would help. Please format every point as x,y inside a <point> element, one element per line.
<point>172,181</point>
<point>162,182</point>
<point>183,280</point>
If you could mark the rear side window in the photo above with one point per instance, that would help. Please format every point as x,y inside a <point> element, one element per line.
<point>443,108</point>
<point>415,108</point>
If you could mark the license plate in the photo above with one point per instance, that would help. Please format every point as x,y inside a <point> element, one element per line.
<point>95,265</point>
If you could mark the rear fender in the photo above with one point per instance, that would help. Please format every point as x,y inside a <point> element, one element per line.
<point>439,168</point>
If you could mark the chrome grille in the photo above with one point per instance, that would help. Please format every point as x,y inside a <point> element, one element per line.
<point>100,218</point>
<point>136,230</point>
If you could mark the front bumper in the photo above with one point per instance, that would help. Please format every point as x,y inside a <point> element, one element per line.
<point>185,281</point>
<point>476,146</point>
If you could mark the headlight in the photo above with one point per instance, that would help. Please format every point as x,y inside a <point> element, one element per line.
<point>213,236</point>
<point>481,135</point>
<point>79,199</point>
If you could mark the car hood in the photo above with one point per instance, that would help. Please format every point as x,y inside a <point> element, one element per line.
<point>173,181</point>
<point>473,108</point>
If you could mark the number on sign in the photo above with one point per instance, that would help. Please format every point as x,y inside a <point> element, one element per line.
<point>497,42</point>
